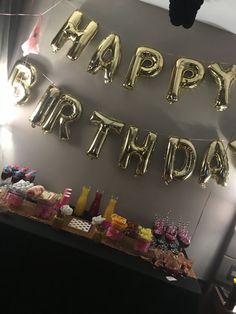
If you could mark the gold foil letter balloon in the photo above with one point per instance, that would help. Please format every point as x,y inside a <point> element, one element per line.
<point>45,106</point>
<point>170,172</point>
<point>70,31</point>
<point>106,57</point>
<point>215,165</point>
<point>55,106</point>
<point>187,73</point>
<point>232,146</point>
<point>146,62</point>
<point>105,125</point>
<point>22,78</point>
<point>143,152</point>
<point>224,81</point>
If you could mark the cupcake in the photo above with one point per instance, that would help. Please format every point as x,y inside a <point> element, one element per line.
<point>66,210</point>
<point>58,220</point>
<point>183,238</point>
<point>30,176</point>
<point>118,226</point>
<point>144,240</point>
<point>6,172</point>
<point>19,175</point>
<point>171,233</point>
<point>100,226</point>
<point>159,227</point>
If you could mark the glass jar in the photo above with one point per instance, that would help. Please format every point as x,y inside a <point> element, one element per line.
<point>14,198</point>
<point>95,206</point>
<point>58,222</point>
<point>45,209</point>
<point>142,246</point>
<point>110,209</point>
<point>3,194</point>
<point>82,201</point>
<point>97,234</point>
<point>114,233</point>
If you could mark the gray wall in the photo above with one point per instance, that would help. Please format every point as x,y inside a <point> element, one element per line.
<point>59,164</point>
<point>228,260</point>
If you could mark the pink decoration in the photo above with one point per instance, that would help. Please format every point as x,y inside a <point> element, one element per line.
<point>159,227</point>
<point>105,224</point>
<point>31,45</point>
<point>171,233</point>
<point>113,233</point>
<point>67,191</point>
<point>14,199</point>
<point>45,209</point>
<point>183,237</point>
<point>95,206</point>
<point>142,245</point>
<point>65,200</point>
<point>36,191</point>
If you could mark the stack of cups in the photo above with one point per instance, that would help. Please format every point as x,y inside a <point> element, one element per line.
<point>65,200</point>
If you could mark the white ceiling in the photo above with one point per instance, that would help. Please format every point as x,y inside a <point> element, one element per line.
<point>218,13</point>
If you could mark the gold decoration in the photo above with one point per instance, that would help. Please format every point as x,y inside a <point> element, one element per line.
<point>23,76</point>
<point>224,80</point>
<point>70,31</point>
<point>215,165</point>
<point>170,172</point>
<point>105,125</point>
<point>232,146</point>
<point>55,106</point>
<point>106,57</point>
<point>187,73</point>
<point>146,62</point>
<point>130,148</point>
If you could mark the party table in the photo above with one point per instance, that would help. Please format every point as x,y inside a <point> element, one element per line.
<point>73,271</point>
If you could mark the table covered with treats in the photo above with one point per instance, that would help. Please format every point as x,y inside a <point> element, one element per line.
<point>63,257</point>
<point>88,272</point>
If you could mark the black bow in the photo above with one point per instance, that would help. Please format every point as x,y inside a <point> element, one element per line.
<point>183,12</point>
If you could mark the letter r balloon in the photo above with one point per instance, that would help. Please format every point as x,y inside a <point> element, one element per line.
<point>53,107</point>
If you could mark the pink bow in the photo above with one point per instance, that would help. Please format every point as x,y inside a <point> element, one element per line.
<point>31,45</point>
